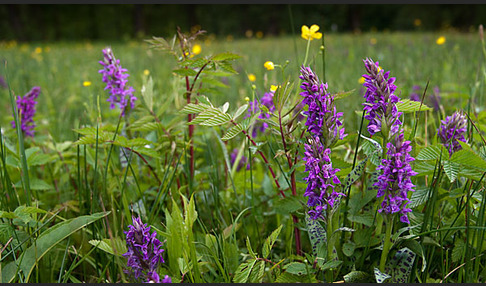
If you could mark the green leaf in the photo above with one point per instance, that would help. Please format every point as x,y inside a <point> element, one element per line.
<point>257,273</point>
<point>381,277</point>
<point>205,115</point>
<point>418,249</point>
<point>194,108</point>
<point>243,271</point>
<point>333,264</point>
<point>348,248</point>
<point>357,277</point>
<point>190,213</point>
<point>248,247</point>
<point>214,82</point>
<point>355,174</point>
<point>419,197</point>
<point>185,72</point>
<point>400,266</point>
<point>286,277</point>
<point>432,152</point>
<point>37,159</point>
<point>458,250</point>
<point>217,120</point>
<point>451,169</point>
<point>468,158</point>
<point>407,106</point>
<point>287,205</point>
<point>317,237</point>
<point>36,184</point>
<point>240,111</point>
<point>44,243</point>
<point>227,67</point>
<point>116,247</point>
<point>267,246</point>
<point>6,232</point>
<point>298,268</point>
<point>225,57</point>
<point>148,93</point>
<point>235,130</point>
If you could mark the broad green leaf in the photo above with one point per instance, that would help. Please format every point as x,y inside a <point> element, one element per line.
<point>400,266</point>
<point>36,184</point>
<point>267,246</point>
<point>116,247</point>
<point>418,249</point>
<point>468,158</point>
<point>185,72</point>
<point>235,130</point>
<point>298,268</point>
<point>348,248</point>
<point>287,205</point>
<point>194,108</point>
<point>217,120</point>
<point>381,277</point>
<point>211,81</point>
<point>317,236</point>
<point>6,232</point>
<point>257,273</point>
<point>355,174</point>
<point>364,218</point>
<point>458,250</point>
<point>45,242</point>
<point>419,197</point>
<point>190,213</point>
<point>451,169</point>
<point>357,277</point>
<point>407,106</point>
<point>148,93</point>
<point>225,57</point>
<point>432,152</point>
<point>37,159</point>
<point>243,271</point>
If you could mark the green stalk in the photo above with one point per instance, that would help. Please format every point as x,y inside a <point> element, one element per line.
<point>330,245</point>
<point>21,153</point>
<point>323,49</point>
<point>307,51</point>
<point>387,242</point>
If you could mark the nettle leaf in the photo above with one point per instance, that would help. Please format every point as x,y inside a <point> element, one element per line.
<point>287,205</point>
<point>194,63</point>
<point>400,266</point>
<point>270,241</point>
<point>235,130</point>
<point>407,106</point>
<point>451,169</point>
<point>227,67</point>
<point>381,277</point>
<point>225,57</point>
<point>355,174</point>
<point>243,272</point>
<point>185,72</point>
<point>317,237</point>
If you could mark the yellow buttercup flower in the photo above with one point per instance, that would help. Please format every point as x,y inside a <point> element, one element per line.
<point>361,80</point>
<point>273,88</point>
<point>146,72</point>
<point>196,49</point>
<point>251,77</point>
<point>38,50</point>
<point>247,99</point>
<point>441,40</point>
<point>269,65</point>
<point>86,83</point>
<point>311,33</point>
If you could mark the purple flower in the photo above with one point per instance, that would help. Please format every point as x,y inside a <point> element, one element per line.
<point>322,118</point>
<point>452,130</point>
<point>242,161</point>
<point>266,100</point>
<point>395,181</point>
<point>380,102</point>
<point>115,78</point>
<point>26,110</point>
<point>167,279</point>
<point>144,252</point>
<point>3,83</point>
<point>321,179</point>
<point>415,96</point>
<point>435,99</point>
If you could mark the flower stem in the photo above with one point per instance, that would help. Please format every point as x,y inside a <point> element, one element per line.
<point>307,51</point>
<point>387,242</point>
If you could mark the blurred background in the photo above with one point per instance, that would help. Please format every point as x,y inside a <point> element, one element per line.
<point>131,21</point>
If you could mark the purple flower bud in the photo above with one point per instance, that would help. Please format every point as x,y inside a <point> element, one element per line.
<point>395,181</point>
<point>322,178</point>
<point>322,118</point>
<point>26,109</point>
<point>452,130</point>
<point>115,78</point>
<point>380,102</point>
<point>144,252</point>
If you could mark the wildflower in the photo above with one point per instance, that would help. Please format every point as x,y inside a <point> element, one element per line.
<point>361,80</point>
<point>395,181</point>
<point>380,106</point>
<point>146,72</point>
<point>115,78</point>
<point>452,130</point>
<point>166,279</point>
<point>86,83</point>
<point>322,118</point>
<point>311,33</point>
<point>144,252</point>
<point>440,40</point>
<point>321,179</point>
<point>273,88</point>
<point>26,110</point>
<point>251,77</point>
<point>267,101</point>
<point>38,50</point>
<point>196,49</point>
<point>3,83</point>
<point>435,99</point>
<point>415,96</point>
<point>242,161</point>
<point>269,65</point>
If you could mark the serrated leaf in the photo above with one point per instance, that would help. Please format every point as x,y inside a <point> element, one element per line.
<point>407,106</point>
<point>205,115</point>
<point>287,205</point>
<point>119,246</point>
<point>468,158</point>
<point>194,63</point>
<point>38,159</point>
<point>243,271</point>
<point>185,72</point>
<point>267,246</point>
<point>225,57</point>
<point>235,130</point>
<point>240,111</point>
<point>194,108</point>
<point>257,273</point>
<point>458,250</point>
<point>214,82</point>
<point>220,119</point>
<point>432,152</point>
<point>148,93</point>
<point>248,247</point>
<point>451,169</point>
<point>419,197</point>
<point>227,67</point>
